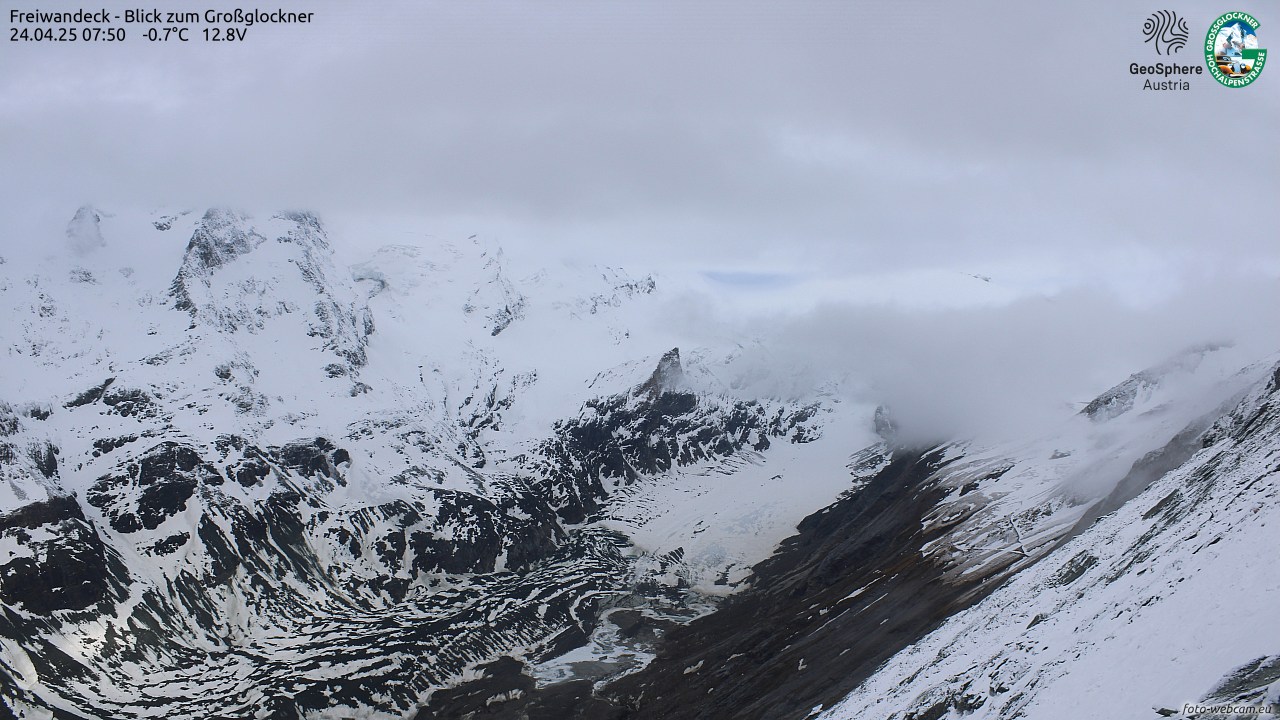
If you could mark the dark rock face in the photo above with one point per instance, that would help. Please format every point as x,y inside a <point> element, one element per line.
<point>218,239</point>
<point>103,446</point>
<point>657,426</point>
<point>1248,685</point>
<point>312,458</point>
<point>53,510</point>
<point>505,691</point>
<point>90,396</point>
<point>668,377</point>
<point>163,479</point>
<point>462,534</point>
<point>487,531</point>
<point>45,457</point>
<point>129,403</point>
<point>66,568</point>
<point>171,544</point>
<point>623,437</point>
<point>252,465</point>
<point>165,222</point>
<point>846,593</point>
<point>502,318</point>
<point>482,698</point>
<point>753,651</point>
<point>9,423</point>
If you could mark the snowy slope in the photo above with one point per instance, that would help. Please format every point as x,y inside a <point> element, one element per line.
<point>239,476</point>
<point>1167,601</point>
<point>918,535</point>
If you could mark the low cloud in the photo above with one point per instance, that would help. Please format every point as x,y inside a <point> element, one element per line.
<point>1009,370</point>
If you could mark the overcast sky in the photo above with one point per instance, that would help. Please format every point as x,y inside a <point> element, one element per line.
<point>825,137</point>
<point>827,151</point>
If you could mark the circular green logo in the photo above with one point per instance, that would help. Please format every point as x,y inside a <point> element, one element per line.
<point>1231,49</point>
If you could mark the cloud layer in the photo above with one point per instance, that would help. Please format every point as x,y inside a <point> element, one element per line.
<point>817,136</point>
<point>867,159</point>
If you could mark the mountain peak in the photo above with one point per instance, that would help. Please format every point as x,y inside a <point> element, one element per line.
<point>667,377</point>
<point>291,277</point>
<point>218,239</point>
<point>1121,398</point>
<point>83,232</point>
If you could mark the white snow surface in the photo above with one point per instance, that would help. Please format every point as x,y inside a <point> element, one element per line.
<point>726,516</point>
<point>1146,609</point>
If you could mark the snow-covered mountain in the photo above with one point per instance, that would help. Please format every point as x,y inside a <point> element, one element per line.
<point>225,453</point>
<point>1164,606</point>
<point>244,478</point>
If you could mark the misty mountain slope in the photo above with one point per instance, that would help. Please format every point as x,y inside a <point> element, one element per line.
<point>919,535</point>
<point>1015,502</point>
<point>239,477</point>
<point>1156,605</point>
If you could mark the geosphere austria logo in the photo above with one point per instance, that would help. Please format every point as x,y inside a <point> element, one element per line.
<point>1231,49</point>
<point>1165,30</point>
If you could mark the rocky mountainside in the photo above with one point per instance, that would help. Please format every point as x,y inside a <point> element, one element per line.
<point>925,587</point>
<point>244,475</point>
<point>1162,606</point>
<point>239,478</point>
